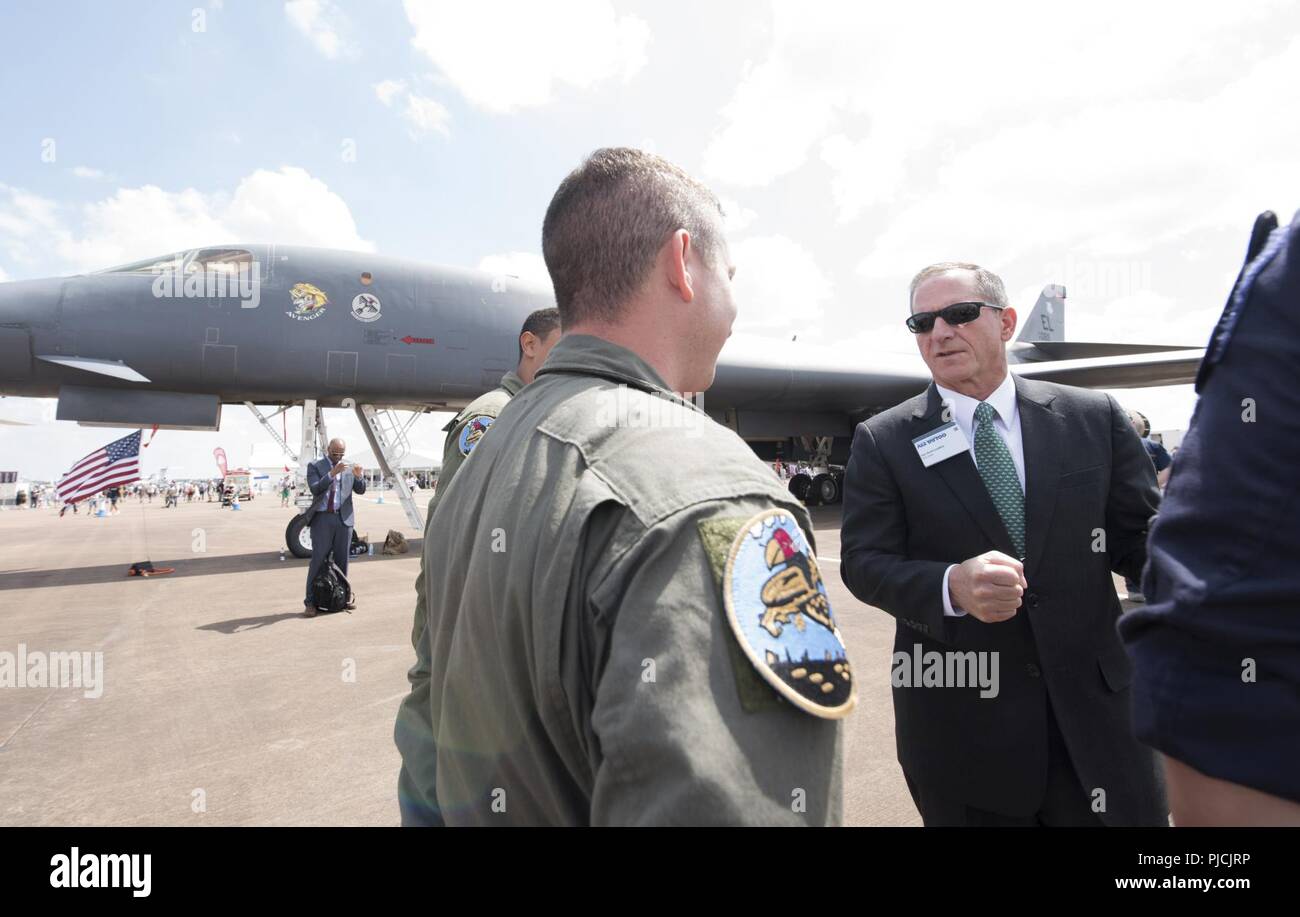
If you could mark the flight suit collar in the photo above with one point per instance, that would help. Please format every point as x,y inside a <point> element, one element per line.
<point>511,383</point>
<point>587,355</point>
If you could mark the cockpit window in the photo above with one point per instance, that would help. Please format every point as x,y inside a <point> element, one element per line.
<point>163,265</point>
<point>220,261</point>
<point>203,260</point>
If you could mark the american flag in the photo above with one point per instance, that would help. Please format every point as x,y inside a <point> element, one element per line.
<point>116,463</point>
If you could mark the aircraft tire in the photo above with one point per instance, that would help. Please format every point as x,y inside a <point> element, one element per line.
<point>800,485</point>
<point>826,489</point>
<point>298,536</point>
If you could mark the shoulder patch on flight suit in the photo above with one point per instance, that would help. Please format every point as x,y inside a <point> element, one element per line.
<point>472,432</point>
<point>780,612</point>
<point>755,693</point>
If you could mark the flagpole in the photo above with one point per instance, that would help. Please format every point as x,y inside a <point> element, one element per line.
<point>144,517</point>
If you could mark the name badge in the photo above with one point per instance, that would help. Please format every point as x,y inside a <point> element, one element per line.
<point>941,443</point>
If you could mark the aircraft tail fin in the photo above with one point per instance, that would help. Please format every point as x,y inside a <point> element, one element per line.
<point>1047,320</point>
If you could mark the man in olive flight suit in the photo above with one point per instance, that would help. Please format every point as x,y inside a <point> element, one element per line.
<point>629,625</point>
<point>538,335</point>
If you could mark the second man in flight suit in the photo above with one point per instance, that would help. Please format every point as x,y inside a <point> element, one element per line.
<point>538,335</point>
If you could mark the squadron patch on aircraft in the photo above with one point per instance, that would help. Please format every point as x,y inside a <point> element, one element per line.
<point>472,433</point>
<point>780,612</point>
<point>309,302</point>
<point>365,307</point>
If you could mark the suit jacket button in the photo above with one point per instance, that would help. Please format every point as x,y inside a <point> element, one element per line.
<point>1032,670</point>
<point>1031,600</point>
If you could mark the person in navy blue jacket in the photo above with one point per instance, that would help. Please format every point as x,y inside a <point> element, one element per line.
<point>1216,650</point>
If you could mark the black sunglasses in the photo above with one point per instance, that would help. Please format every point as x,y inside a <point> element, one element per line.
<point>959,313</point>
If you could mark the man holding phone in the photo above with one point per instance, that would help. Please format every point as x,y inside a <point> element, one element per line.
<point>330,516</point>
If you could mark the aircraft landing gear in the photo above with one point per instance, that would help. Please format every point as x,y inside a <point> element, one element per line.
<point>822,484</point>
<point>388,439</point>
<point>826,489</point>
<point>298,536</point>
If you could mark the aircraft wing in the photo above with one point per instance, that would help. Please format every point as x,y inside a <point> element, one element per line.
<point>1172,367</point>
<point>776,395</point>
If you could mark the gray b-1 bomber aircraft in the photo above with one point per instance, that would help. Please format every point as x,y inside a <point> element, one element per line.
<point>169,340</point>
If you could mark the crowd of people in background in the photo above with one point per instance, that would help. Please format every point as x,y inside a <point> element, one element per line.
<point>173,493</point>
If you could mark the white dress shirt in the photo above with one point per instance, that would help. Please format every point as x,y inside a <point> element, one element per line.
<point>1007,425</point>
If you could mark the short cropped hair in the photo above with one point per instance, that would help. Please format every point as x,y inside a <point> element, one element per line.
<point>607,222</point>
<point>988,283</point>
<point>1140,423</point>
<point>541,323</point>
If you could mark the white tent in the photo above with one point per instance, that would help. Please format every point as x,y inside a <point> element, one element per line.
<point>412,461</point>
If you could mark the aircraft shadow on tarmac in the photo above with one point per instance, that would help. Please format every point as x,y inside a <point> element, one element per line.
<point>184,566</point>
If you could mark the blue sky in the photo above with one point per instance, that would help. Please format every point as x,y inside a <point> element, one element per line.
<point>1120,150</point>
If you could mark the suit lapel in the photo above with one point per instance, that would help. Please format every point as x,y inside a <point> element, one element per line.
<point>1043,435</point>
<point>325,470</point>
<point>962,477</point>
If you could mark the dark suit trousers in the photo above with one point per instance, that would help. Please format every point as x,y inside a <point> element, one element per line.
<point>1065,803</point>
<point>328,536</point>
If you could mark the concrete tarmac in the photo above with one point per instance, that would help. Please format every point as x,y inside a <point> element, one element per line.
<point>222,705</point>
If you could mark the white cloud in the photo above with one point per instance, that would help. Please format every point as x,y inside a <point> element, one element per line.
<point>424,114</point>
<point>509,54</point>
<point>527,266</point>
<point>321,22</point>
<point>4,277</point>
<point>388,90</point>
<point>142,222</point>
<point>884,83</point>
<point>1116,189</point>
<point>779,288</point>
<point>736,217</point>
<point>1117,150</point>
<point>87,172</point>
<point>777,113</point>
<point>24,213</point>
<point>292,207</point>
<point>287,206</point>
<point>29,225</point>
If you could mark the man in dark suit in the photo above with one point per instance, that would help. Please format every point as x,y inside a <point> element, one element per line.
<point>330,515</point>
<point>986,516</point>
